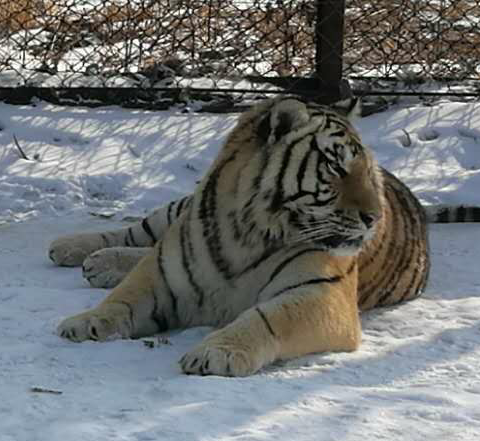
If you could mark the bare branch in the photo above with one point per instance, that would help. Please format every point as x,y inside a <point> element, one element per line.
<point>406,140</point>
<point>22,153</point>
<point>45,391</point>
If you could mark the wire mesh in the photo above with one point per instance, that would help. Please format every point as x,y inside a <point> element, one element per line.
<point>220,45</point>
<point>433,39</point>
<point>152,42</point>
<point>421,46</point>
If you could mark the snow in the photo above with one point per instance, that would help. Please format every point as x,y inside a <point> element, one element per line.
<point>415,377</point>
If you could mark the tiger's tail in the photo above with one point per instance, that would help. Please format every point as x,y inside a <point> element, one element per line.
<point>452,213</point>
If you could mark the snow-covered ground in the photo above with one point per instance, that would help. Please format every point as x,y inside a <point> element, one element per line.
<point>415,377</point>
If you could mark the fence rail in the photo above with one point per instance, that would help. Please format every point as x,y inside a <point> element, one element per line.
<point>166,49</point>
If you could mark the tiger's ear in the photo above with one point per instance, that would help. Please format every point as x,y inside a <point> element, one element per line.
<point>284,117</point>
<point>350,107</point>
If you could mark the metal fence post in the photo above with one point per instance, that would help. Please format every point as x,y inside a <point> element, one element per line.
<point>329,48</point>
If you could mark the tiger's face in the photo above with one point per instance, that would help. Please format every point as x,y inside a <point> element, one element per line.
<point>327,188</point>
<point>346,208</point>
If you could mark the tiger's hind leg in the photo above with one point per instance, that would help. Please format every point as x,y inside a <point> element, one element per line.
<point>315,318</point>
<point>73,249</point>
<point>107,267</point>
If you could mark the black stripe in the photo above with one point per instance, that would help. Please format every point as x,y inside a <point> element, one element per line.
<point>322,203</point>
<point>353,103</point>
<point>132,238</point>
<point>180,205</point>
<point>270,251</point>
<point>423,260</point>
<point>302,169</point>
<point>148,230</point>
<point>105,239</point>
<point>390,193</point>
<point>90,278</point>
<point>300,194</point>
<point>157,316</point>
<point>284,125</point>
<point>262,167</point>
<point>461,214</point>
<point>265,321</point>
<point>410,224</point>
<point>282,265</point>
<point>247,209</point>
<point>321,155</point>
<point>278,196</point>
<point>328,120</point>
<point>422,254</point>
<point>320,179</point>
<point>189,201</point>
<point>167,285</point>
<point>317,281</point>
<point>408,294</point>
<point>264,128</point>
<point>380,243</point>
<point>126,240</point>
<point>351,267</point>
<point>443,215</point>
<point>208,215</point>
<point>321,110</point>
<point>237,233</point>
<point>373,285</point>
<point>187,253</point>
<point>474,214</point>
<point>169,212</point>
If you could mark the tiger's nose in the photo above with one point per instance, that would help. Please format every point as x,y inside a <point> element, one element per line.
<point>368,218</point>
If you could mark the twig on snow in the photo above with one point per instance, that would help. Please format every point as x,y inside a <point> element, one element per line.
<point>191,167</point>
<point>150,343</point>
<point>42,390</point>
<point>406,140</point>
<point>133,151</point>
<point>22,153</point>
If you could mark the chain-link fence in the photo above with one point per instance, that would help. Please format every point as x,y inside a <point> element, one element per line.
<point>428,46</point>
<point>159,50</point>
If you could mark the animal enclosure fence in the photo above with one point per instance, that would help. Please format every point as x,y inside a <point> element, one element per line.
<point>149,53</point>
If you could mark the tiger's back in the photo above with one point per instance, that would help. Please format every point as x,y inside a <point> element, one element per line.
<point>394,266</point>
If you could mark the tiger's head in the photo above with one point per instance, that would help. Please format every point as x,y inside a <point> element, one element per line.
<point>319,183</point>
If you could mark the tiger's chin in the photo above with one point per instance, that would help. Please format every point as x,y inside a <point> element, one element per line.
<point>338,245</point>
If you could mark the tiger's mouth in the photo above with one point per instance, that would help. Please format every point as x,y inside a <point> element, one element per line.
<point>338,241</point>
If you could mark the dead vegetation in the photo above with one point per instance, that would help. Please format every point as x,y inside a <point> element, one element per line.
<point>19,14</point>
<point>440,38</point>
<point>225,38</point>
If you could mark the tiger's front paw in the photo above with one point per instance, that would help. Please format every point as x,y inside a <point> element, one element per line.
<point>72,250</point>
<point>218,356</point>
<point>112,321</point>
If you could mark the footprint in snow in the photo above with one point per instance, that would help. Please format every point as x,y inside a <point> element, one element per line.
<point>460,142</point>
<point>428,134</point>
<point>70,140</point>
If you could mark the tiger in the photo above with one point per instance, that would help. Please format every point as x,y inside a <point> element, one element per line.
<point>292,232</point>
